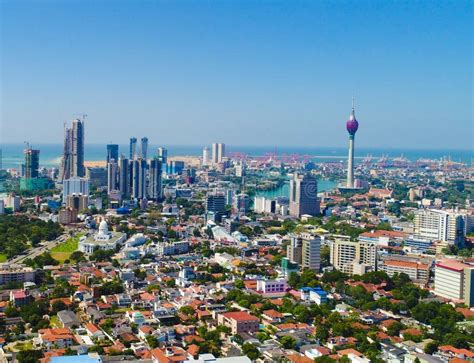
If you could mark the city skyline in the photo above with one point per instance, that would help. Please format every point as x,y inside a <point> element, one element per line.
<point>259,74</point>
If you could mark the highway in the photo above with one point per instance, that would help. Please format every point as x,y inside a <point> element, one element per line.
<point>44,246</point>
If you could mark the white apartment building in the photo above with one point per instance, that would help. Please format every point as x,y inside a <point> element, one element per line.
<point>353,257</point>
<point>439,225</point>
<point>417,271</point>
<point>455,280</point>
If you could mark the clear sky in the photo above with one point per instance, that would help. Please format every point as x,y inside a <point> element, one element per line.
<point>239,72</point>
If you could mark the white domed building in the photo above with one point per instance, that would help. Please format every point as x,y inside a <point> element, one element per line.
<point>103,239</point>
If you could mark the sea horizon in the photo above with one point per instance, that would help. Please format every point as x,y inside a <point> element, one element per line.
<point>50,153</point>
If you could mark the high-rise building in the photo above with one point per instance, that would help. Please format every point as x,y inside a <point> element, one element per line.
<point>439,225</point>
<point>353,257</point>
<point>112,152</point>
<point>77,202</point>
<point>72,164</point>
<point>144,148</point>
<point>220,152</point>
<point>163,156</point>
<point>75,186</point>
<point>304,195</point>
<point>154,182</point>
<point>205,156</point>
<point>311,252</point>
<point>133,148</point>
<point>241,203</point>
<point>124,177</point>
<point>294,251</point>
<point>215,203</point>
<point>112,172</point>
<point>352,126</point>
<point>214,154</point>
<point>139,179</point>
<point>455,280</point>
<point>31,163</point>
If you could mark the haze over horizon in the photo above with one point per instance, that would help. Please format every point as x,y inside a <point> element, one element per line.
<point>244,73</point>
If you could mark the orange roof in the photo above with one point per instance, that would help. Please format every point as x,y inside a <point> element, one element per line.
<point>384,233</point>
<point>348,351</point>
<point>297,358</point>
<point>406,264</point>
<point>273,314</point>
<point>92,328</point>
<point>240,316</point>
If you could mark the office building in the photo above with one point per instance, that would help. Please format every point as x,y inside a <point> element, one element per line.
<point>311,252</point>
<point>31,163</point>
<point>75,186</point>
<point>112,152</point>
<point>139,179</point>
<point>15,274</point>
<point>240,169</point>
<point>72,164</point>
<point>144,148</point>
<point>133,148</point>
<point>154,183</point>
<point>124,177</point>
<point>77,202</point>
<point>205,156</point>
<point>439,225</point>
<point>97,176</point>
<point>163,155</point>
<point>218,153</point>
<point>241,203</point>
<point>418,272</point>
<point>215,203</point>
<point>112,175</point>
<point>454,280</point>
<point>352,126</point>
<point>304,195</point>
<point>294,251</point>
<point>175,167</point>
<point>353,258</point>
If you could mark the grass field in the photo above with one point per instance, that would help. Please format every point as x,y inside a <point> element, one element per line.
<point>3,258</point>
<point>62,251</point>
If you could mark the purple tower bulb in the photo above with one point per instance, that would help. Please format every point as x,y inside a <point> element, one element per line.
<point>352,125</point>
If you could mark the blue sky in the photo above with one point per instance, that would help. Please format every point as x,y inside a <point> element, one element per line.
<point>239,72</point>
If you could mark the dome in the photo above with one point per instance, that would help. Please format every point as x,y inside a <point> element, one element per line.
<point>103,227</point>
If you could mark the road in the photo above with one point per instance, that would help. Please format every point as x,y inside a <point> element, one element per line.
<point>43,247</point>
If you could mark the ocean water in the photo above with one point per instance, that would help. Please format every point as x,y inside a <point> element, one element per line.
<point>284,190</point>
<point>50,154</point>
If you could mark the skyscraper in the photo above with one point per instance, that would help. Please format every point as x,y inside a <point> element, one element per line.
<point>31,163</point>
<point>154,182</point>
<point>205,155</point>
<point>144,148</point>
<point>139,179</point>
<point>351,125</point>
<point>304,195</point>
<point>112,152</point>
<point>218,152</point>
<point>124,176</point>
<point>133,148</point>
<point>72,164</point>
<point>163,155</point>
<point>112,170</point>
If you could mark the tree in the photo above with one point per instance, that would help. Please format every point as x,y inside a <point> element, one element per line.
<point>251,351</point>
<point>29,356</point>
<point>288,342</point>
<point>431,347</point>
